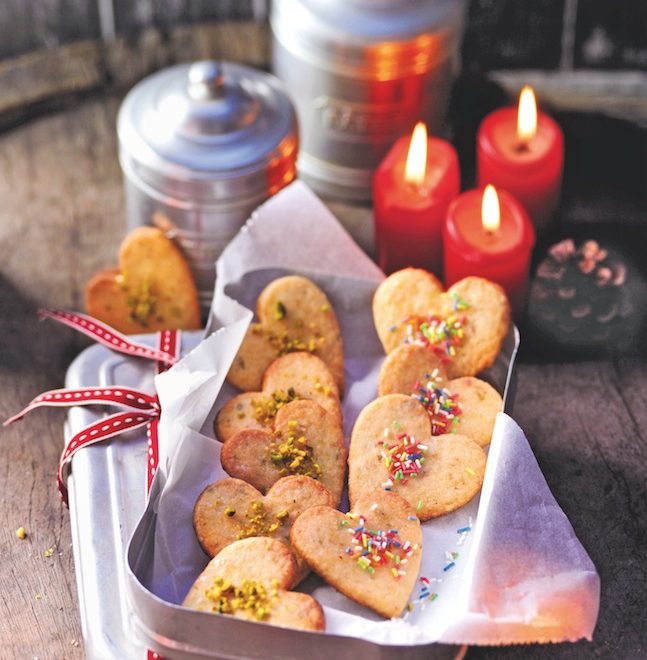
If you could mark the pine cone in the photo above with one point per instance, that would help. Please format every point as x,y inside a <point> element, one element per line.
<point>576,296</point>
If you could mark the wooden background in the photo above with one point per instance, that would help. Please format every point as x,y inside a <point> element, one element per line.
<point>61,218</point>
<point>500,34</point>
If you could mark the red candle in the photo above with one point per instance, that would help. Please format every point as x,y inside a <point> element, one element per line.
<point>412,189</point>
<point>491,236</point>
<point>523,152</point>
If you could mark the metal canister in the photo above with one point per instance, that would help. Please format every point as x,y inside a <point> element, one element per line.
<point>361,74</point>
<point>201,146</point>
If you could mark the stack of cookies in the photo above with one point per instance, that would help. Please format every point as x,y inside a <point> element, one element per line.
<point>416,451</point>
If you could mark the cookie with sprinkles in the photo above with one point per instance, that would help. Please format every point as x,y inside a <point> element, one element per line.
<point>293,314</point>
<point>478,405</point>
<point>230,510</point>
<point>405,366</point>
<point>392,447</point>
<point>305,440</point>
<point>405,293</point>
<point>371,554</point>
<point>249,580</point>
<point>291,377</point>
<point>463,405</point>
<point>464,326</point>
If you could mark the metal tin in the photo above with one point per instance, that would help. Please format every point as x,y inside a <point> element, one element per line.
<point>361,73</point>
<point>120,617</point>
<point>201,146</point>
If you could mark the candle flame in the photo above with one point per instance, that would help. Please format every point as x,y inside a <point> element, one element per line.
<point>490,210</point>
<point>527,115</point>
<point>416,165</point>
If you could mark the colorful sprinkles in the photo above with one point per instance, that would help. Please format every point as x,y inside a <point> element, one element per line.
<point>426,594</point>
<point>443,407</point>
<point>442,335</point>
<point>373,549</point>
<point>403,458</point>
<point>464,531</point>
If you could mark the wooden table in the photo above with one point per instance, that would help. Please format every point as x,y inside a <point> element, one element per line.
<point>62,218</point>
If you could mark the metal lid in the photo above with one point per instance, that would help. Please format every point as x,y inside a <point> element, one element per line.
<point>387,38</point>
<point>209,131</point>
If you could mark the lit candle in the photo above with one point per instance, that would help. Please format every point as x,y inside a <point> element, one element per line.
<point>488,233</point>
<point>522,151</point>
<point>412,189</point>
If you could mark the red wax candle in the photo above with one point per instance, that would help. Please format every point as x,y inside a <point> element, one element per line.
<point>412,189</point>
<point>523,153</point>
<point>490,236</point>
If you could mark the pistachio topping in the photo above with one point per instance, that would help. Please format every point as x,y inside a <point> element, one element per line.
<point>265,408</point>
<point>141,301</point>
<point>259,521</point>
<point>291,454</point>
<point>285,343</point>
<point>250,596</point>
<point>279,311</point>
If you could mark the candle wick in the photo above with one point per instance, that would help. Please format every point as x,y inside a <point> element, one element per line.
<point>522,146</point>
<point>418,188</point>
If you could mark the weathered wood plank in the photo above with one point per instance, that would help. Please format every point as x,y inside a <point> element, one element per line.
<point>132,17</point>
<point>36,79</point>
<point>587,425</point>
<point>45,74</point>
<point>29,25</point>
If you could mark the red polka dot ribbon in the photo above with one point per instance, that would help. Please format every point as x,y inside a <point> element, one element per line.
<point>143,409</point>
<point>108,336</point>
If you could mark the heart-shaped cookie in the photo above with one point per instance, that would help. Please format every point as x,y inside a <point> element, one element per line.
<point>291,377</point>
<point>465,325</point>
<point>392,448</point>
<point>152,289</point>
<point>230,509</point>
<point>249,579</point>
<point>294,314</point>
<point>306,440</point>
<point>467,405</point>
<point>372,555</point>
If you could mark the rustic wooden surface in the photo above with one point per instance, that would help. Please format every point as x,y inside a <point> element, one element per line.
<point>61,218</point>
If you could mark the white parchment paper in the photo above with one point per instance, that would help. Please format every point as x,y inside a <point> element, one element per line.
<point>505,568</point>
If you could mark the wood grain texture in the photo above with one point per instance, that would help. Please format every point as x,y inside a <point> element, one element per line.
<point>62,217</point>
<point>587,425</point>
<point>39,82</point>
<point>29,25</point>
<point>131,17</point>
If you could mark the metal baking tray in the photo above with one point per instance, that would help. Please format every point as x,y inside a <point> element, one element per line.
<point>107,497</point>
<point>119,617</point>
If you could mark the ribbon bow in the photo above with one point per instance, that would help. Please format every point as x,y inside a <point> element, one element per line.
<point>143,409</point>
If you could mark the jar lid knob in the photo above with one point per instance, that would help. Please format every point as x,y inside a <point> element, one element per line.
<point>206,80</point>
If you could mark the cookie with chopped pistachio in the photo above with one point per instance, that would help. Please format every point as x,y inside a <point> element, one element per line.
<point>249,580</point>
<point>294,314</point>
<point>305,440</point>
<point>392,448</point>
<point>467,405</point>
<point>464,326</point>
<point>379,575</point>
<point>152,289</point>
<point>289,378</point>
<point>230,509</point>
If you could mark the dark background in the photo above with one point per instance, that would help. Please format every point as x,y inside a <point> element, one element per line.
<point>500,34</point>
